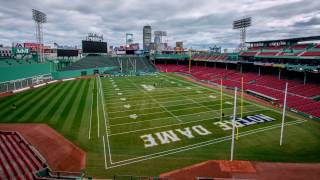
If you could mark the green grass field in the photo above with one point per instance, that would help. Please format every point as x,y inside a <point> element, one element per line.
<point>110,118</point>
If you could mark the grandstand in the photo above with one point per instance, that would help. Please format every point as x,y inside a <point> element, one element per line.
<point>299,98</point>
<point>17,159</point>
<point>280,63</point>
<point>290,49</point>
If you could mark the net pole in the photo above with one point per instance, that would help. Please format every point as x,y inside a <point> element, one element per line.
<point>221,99</point>
<point>283,113</point>
<point>233,122</point>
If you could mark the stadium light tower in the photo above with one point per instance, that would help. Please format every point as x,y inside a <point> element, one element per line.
<point>242,24</point>
<point>39,18</point>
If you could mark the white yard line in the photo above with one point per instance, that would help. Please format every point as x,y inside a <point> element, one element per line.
<point>157,119</point>
<point>98,124</point>
<point>133,93</point>
<point>163,96</point>
<point>142,109</point>
<point>105,121</point>
<point>159,103</point>
<point>200,98</point>
<point>188,122</point>
<point>210,110</point>
<point>212,89</point>
<point>132,106</point>
<point>187,98</point>
<point>104,151</point>
<point>197,145</point>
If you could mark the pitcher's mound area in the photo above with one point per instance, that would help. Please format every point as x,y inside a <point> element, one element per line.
<point>60,154</point>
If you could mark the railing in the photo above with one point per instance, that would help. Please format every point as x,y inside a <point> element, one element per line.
<point>13,85</point>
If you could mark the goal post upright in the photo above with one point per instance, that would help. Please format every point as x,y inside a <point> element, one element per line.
<point>233,123</point>
<point>283,113</point>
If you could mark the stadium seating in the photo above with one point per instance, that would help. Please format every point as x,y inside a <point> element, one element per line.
<point>254,48</point>
<point>317,46</point>
<point>299,95</point>
<point>303,50</point>
<point>311,53</point>
<point>248,53</point>
<point>299,46</point>
<point>268,53</point>
<point>217,57</point>
<point>17,159</point>
<point>274,48</point>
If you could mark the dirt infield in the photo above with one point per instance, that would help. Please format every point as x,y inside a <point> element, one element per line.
<point>60,154</point>
<point>220,169</point>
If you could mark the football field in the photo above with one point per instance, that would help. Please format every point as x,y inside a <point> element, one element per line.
<point>146,125</point>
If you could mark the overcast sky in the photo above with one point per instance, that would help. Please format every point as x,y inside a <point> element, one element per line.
<point>198,23</point>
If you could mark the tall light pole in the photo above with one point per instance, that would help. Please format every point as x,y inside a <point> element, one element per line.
<point>39,18</point>
<point>242,24</point>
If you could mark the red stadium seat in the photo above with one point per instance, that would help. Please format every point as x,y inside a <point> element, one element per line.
<point>299,95</point>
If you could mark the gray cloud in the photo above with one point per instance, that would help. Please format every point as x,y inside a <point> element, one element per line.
<point>199,23</point>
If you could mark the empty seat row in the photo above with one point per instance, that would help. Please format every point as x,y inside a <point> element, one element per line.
<point>17,160</point>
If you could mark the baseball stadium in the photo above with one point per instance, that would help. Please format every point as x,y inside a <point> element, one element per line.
<point>129,113</point>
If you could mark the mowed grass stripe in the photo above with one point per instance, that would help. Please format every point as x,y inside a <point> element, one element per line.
<point>15,98</point>
<point>35,111</point>
<point>94,120</point>
<point>31,101</point>
<point>50,110</point>
<point>7,101</point>
<point>54,114</point>
<point>79,116</point>
<point>19,99</point>
<point>64,108</point>
<point>83,130</point>
<point>74,105</point>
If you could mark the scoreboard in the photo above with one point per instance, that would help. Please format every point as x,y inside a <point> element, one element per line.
<point>94,47</point>
<point>67,52</point>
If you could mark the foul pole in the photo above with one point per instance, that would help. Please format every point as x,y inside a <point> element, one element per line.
<point>233,122</point>
<point>283,113</point>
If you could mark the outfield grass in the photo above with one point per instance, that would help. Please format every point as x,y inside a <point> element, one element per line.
<point>109,126</point>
